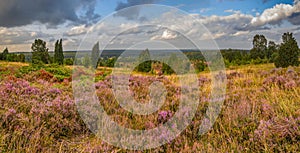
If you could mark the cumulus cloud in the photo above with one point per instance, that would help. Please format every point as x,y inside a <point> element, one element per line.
<point>77,30</point>
<point>51,12</point>
<point>9,36</point>
<point>166,35</point>
<point>277,14</point>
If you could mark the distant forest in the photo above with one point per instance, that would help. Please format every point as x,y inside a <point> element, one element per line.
<point>282,55</point>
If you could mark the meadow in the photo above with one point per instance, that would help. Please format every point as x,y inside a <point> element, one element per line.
<point>261,112</point>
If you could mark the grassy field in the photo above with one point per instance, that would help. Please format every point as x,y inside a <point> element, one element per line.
<point>261,112</point>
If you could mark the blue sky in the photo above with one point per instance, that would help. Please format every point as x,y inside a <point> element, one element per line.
<point>231,23</point>
<point>213,7</point>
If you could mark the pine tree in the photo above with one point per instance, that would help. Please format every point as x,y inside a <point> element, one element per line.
<point>144,62</point>
<point>40,52</point>
<point>56,50</point>
<point>288,53</point>
<point>5,53</point>
<point>58,53</point>
<point>95,55</point>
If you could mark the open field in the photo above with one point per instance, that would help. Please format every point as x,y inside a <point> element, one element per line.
<point>261,112</point>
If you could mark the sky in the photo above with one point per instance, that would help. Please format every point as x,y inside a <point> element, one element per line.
<point>119,24</point>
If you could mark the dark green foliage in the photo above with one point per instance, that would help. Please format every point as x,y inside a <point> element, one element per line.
<point>107,62</point>
<point>272,48</point>
<point>15,58</point>
<point>235,57</point>
<point>69,61</point>
<point>56,50</point>
<point>11,57</point>
<point>167,69</point>
<point>145,62</point>
<point>288,53</point>
<point>274,57</point>
<point>58,53</point>
<point>199,65</point>
<point>259,47</point>
<point>86,61</point>
<point>172,65</point>
<point>95,55</point>
<point>111,62</point>
<point>21,58</point>
<point>40,52</point>
<point>4,54</point>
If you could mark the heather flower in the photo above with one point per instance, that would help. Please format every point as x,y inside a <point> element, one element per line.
<point>291,84</point>
<point>55,91</point>
<point>264,73</point>
<point>100,85</point>
<point>221,76</point>
<point>163,116</point>
<point>266,109</point>
<point>149,125</point>
<point>12,111</point>
<point>31,90</point>
<point>290,70</point>
<point>234,74</point>
<point>202,81</point>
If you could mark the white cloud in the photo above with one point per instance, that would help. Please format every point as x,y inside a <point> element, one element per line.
<point>232,11</point>
<point>276,14</point>
<point>166,35</point>
<point>240,33</point>
<point>78,30</point>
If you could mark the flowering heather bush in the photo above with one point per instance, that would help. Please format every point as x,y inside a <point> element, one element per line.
<point>260,113</point>
<point>288,80</point>
<point>41,114</point>
<point>277,130</point>
<point>164,116</point>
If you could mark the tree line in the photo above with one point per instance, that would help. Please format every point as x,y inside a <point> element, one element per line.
<point>11,57</point>
<point>40,54</point>
<point>282,55</point>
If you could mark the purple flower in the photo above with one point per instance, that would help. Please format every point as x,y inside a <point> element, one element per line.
<point>31,90</point>
<point>55,91</point>
<point>12,111</point>
<point>291,84</point>
<point>163,116</point>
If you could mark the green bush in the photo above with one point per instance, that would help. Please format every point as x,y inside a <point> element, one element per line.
<point>69,61</point>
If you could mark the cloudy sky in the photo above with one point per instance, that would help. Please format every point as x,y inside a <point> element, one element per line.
<point>231,23</point>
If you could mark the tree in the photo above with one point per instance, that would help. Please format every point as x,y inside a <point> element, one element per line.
<point>56,50</point>
<point>59,53</point>
<point>40,52</point>
<point>69,61</point>
<point>272,48</point>
<point>95,55</point>
<point>172,65</point>
<point>288,53</point>
<point>144,62</point>
<point>259,47</point>
<point>4,54</point>
<point>86,61</point>
<point>21,58</point>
